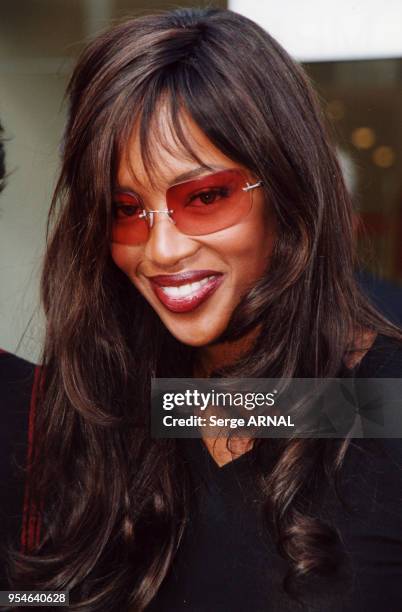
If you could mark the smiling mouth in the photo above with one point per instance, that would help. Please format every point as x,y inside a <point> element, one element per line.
<point>186,291</point>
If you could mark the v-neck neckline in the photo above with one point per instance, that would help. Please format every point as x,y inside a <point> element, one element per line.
<point>200,456</point>
<point>201,459</point>
<point>235,461</point>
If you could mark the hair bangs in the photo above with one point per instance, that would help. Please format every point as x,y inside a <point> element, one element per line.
<point>161,123</point>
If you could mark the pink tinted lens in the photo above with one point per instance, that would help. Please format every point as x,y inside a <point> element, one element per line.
<point>201,206</point>
<point>128,227</point>
<point>210,203</point>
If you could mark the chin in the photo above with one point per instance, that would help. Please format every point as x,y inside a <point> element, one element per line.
<point>195,337</point>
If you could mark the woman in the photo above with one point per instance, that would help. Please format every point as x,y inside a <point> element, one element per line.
<point>201,226</point>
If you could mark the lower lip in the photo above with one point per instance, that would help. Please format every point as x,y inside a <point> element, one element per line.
<point>189,302</point>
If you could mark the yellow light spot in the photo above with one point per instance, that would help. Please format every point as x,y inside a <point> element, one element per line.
<point>363,137</point>
<point>384,156</point>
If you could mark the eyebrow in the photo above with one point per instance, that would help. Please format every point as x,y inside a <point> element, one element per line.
<point>192,173</point>
<point>177,179</point>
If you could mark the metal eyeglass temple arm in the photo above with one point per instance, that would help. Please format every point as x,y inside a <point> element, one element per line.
<point>150,215</point>
<point>248,186</point>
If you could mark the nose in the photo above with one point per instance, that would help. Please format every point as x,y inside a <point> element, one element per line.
<point>167,245</point>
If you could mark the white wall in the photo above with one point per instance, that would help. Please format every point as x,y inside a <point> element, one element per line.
<point>317,30</point>
<point>38,43</point>
<point>30,111</point>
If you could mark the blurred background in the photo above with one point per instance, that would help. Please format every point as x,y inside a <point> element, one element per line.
<point>352,51</point>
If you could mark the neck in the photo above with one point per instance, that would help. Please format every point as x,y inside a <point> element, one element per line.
<point>216,356</point>
<point>210,358</point>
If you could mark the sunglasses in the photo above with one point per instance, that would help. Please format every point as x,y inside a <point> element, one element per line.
<point>200,206</point>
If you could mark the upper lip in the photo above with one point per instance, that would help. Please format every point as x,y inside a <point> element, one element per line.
<point>175,280</point>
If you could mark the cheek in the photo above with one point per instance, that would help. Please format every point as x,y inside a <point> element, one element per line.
<point>126,258</point>
<point>247,248</point>
<point>262,237</point>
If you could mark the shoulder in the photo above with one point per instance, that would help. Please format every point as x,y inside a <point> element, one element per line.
<point>378,457</point>
<point>15,372</point>
<point>382,360</point>
<point>17,385</point>
<point>367,514</point>
<point>373,462</point>
<point>371,476</point>
<point>371,489</point>
<point>17,378</point>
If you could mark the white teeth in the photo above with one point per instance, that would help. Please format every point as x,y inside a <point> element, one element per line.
<point>187,289</point>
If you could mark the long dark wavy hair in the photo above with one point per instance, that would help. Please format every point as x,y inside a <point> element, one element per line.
<point>114,502</point>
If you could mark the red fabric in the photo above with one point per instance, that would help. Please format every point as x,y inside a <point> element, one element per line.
<point>31,516</point>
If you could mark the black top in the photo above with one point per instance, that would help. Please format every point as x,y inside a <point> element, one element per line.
<point>16,384</point>
<point>227,560</point>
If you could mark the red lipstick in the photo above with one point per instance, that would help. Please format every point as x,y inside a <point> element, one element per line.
<point>185,291</point>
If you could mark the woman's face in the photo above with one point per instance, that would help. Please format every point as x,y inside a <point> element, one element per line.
<point>224,265</point>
